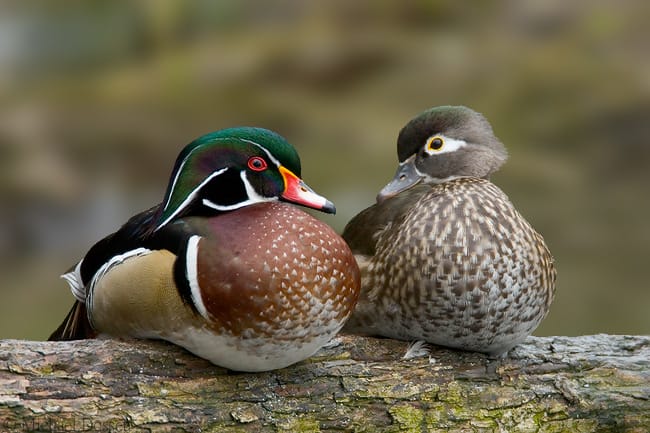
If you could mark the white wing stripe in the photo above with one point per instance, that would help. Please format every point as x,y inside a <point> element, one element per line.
<point>73,278</point>
<point>103,270</point>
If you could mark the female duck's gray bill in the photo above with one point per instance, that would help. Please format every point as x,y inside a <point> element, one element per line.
<point>406,177</point>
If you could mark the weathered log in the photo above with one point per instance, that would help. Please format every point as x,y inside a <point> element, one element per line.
<point>595,383</point>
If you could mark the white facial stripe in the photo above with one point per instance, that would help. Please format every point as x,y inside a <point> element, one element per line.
<point>216,173</point>
<point>174,183</point>
<point>253,197</point>
<point>192,272</point>
<point>191,196</point>
<point>250,191</point>
<point>271,157</point>
<point>178,173</point>
<point>180,167</point>
<point>450,145</point>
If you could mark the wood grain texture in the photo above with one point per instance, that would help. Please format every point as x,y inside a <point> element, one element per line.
<point>597,383</point>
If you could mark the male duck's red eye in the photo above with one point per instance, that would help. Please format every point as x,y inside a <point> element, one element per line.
<point>256,163</point>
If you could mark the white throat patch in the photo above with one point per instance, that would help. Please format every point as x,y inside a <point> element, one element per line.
<point>253,197</point>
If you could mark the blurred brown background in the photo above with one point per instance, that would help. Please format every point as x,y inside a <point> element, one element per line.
<point>97,98</point>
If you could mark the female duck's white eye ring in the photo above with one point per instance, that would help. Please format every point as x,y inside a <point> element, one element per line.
<point>438,144</point>
<point>435,144</point>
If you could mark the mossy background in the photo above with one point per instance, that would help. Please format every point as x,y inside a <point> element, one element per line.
<point>97,98</point>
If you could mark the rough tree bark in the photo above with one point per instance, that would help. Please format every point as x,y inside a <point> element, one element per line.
<point>586,384</point>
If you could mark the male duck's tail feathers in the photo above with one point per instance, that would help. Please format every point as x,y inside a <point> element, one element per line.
<point>75,326</point>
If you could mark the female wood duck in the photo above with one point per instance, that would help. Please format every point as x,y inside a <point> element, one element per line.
<point>444,255</point>
<point>222,267</point>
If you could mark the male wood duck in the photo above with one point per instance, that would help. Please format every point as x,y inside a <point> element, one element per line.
<point>445,258</point>
<point>224,266</point>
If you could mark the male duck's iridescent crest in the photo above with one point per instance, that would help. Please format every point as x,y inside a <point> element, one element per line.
<point>224,266</point>
<point>236,167</point>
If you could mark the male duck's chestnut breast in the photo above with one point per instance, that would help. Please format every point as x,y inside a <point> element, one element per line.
<point>271,265</point>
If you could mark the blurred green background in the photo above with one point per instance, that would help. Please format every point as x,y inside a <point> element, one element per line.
<point>97,98</point>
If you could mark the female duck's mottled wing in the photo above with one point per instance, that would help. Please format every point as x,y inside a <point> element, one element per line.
<point>362,230</point>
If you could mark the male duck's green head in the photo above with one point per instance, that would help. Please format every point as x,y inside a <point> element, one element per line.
<point>232,168</point>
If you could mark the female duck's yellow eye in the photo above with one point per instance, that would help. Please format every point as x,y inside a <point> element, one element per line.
<point>435,143</point>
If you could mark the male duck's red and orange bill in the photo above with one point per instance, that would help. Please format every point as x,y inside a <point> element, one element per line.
<point>296,191</point>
